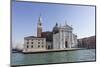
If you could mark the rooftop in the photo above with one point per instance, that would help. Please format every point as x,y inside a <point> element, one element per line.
<point>29,37</point>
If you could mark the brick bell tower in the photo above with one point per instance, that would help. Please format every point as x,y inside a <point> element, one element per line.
<point>39,26</point>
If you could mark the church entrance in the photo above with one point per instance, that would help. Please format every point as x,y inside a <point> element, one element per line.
<point>49,47</point>
<point>66,44</point>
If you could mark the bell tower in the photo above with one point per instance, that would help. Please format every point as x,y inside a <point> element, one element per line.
<point>39,26</point>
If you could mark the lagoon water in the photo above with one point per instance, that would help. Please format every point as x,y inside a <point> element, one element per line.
<point>53,57</point>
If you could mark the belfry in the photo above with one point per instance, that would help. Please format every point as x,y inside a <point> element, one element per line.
<point>39,26</point>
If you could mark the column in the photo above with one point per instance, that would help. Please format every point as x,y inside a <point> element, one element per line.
<point>69,43</point>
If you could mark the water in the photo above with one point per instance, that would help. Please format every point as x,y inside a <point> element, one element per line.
<point>53,57</point>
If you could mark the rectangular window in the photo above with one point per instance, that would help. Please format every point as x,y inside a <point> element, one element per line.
<point>31,42</point>
<point>27,42</point>
<point>42,46</point>
<point>38,42</point>
<point>38,46</point>
<point>38,39</point>
<point>31,46</point>
<point>27,46</point>
<point>42,42</point>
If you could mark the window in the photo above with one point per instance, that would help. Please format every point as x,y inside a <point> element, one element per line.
<point>31,42</point>
<point>38,39</point>
<point>38,46</point>
<point>42,42</point>
<point>32,39</point>
<point>42,46</point>
<point>27,42</point>
<point>27,46</point>
<point>38,42</point>
<point>31,46</point>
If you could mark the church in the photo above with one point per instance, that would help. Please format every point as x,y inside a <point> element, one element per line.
<point>61,37</point>
<point>35,43</point>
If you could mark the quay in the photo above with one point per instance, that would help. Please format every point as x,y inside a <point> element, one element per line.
<point>52,50</point>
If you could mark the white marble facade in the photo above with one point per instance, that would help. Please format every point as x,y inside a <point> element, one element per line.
<point>63,37</point>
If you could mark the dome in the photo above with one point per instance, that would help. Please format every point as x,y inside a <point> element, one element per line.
<point>55,29</point>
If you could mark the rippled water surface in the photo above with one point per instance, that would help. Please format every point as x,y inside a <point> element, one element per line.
<point>53,57</point>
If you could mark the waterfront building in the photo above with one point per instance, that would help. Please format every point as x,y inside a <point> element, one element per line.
<point>87,42</point>
<point>63,37</point>
<point>32,43</point>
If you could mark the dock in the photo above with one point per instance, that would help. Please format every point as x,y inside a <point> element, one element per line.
<point>52,50</point>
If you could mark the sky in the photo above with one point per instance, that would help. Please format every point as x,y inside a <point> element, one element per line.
<point>25,18</point>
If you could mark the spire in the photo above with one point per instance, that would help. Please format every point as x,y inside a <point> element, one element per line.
<point>40,19</point>
<point>65,22</point>
<point>56,24</point>
<point>39,26</point>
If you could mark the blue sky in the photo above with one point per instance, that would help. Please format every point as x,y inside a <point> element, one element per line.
<point>25,17</point>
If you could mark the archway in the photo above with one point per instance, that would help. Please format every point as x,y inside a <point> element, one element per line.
<point>66,44</point>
